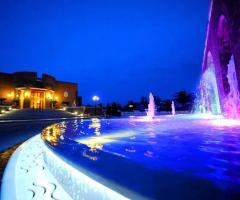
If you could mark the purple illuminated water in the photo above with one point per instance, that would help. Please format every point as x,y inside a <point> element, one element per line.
<point>209,99</point>
<point>232,100</point>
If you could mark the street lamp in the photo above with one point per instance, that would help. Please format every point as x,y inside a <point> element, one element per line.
<point>95,99</point>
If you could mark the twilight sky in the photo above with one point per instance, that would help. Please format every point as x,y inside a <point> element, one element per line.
<point>117,49</point>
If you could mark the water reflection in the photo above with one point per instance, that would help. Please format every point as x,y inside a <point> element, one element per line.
<point>96,125</point>
<point>130,150</point>
<point>94,146</point>
<point>53,133</point>
<point>90,155</point>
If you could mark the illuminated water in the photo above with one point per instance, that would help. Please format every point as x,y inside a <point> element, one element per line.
<point>173,108</point>
<point>232,100</point>
<point>208,97</point>
<point>151,107</point>
<point>174,157</point>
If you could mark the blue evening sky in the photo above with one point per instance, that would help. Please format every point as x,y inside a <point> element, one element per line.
<point>117,49</point>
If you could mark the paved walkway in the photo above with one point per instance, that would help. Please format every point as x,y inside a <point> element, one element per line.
<point>19,125</point>
<point>29,114</point>
<point>4,157</point>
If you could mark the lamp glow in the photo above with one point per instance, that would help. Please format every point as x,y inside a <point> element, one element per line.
<point>10,95</point>
<point>95,98</point>
<point>49,96</point>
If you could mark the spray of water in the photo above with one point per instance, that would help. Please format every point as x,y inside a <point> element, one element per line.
<point>151,107</point>
<point>173,108</point>
<point>232,100</point>
<point>207,97</point>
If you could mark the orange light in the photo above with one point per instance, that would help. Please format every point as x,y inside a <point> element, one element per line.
<point>10,95</point>
<point>49,96</point>
<point>27,94</point>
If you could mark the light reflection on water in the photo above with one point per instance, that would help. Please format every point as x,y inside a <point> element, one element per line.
<point>204,147</point>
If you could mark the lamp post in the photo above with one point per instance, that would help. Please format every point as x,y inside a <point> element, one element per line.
<point>95,99</point>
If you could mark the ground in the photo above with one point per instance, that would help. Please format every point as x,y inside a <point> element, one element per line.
<point>4,157</point>
<point>19,125</point>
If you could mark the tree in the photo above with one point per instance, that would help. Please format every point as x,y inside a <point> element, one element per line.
<point>131,106</point>
<point>113,110</point>
<point>167,105</point>
<point>143,104</point>
<point>158,102</point>
<point>184,100</point>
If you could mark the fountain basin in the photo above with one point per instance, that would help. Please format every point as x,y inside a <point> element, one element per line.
<point>174,157</point>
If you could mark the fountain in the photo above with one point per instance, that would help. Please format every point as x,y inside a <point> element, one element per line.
<point>232,100</point>
<point>151,107</point>
<point>173,108</point>
<point>208,97</point>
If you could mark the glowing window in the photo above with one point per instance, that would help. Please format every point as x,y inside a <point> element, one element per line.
<point>65,94</point>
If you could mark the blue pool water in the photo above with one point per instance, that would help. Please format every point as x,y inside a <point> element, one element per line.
<point>172,157</point>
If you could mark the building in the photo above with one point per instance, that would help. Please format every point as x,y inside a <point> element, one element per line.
<point>26,90</point>
<point>222,57</point>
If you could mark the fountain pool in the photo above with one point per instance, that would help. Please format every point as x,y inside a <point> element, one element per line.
<point>174,157</point>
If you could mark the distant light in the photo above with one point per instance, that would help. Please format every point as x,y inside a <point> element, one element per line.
<point>75,112</point>
<point>95,98</point>
<point>64,108</point>
<point>130,106</point>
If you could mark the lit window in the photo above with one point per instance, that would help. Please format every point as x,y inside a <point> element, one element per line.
<point>65,94</point>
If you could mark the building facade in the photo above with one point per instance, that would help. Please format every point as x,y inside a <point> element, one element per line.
<point>26,90</point>
<point>222,57</point>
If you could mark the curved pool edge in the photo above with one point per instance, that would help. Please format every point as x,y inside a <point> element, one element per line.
<point>90,179</point>
<point>82,186</point>
<point>27,176</point>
